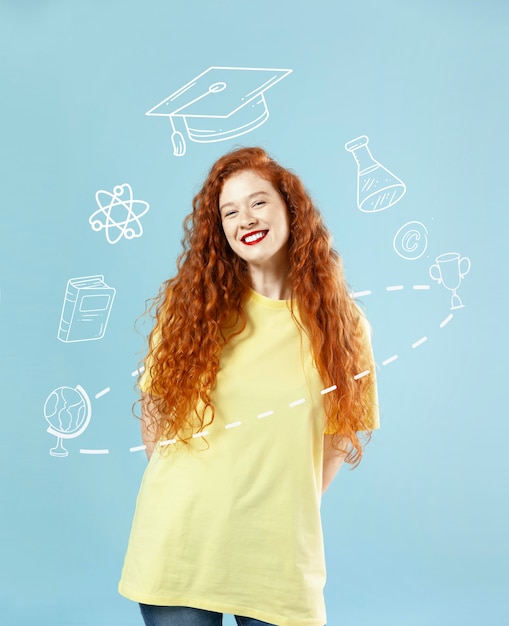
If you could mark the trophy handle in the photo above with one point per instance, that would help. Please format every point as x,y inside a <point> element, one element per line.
<point>464,262</point>
<point>435,275</point>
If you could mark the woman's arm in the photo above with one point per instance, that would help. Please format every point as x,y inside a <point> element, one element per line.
<point>332,461</point>
<point>148,412</point>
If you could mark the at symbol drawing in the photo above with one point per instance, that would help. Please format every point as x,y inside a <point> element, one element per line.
<point>411,241</point>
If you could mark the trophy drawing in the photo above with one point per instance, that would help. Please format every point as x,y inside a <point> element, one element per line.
<point>449,270</point>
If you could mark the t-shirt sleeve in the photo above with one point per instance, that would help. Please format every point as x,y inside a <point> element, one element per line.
<point>372,419</point>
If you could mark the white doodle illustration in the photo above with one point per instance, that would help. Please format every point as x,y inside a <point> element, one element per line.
<point>67,411</point>
<point>86,309</point>
<point>118,214</point>
<point>449,270</point>
<point>377,187</point>
<point>411,241</point>
<point>219,104</point>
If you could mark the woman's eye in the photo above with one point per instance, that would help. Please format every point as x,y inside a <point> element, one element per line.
<point>259,203</point>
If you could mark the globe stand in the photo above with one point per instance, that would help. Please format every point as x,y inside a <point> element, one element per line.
<point>59,449</point>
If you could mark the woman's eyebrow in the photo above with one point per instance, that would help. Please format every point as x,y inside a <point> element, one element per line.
<point>257,193</point>
<point>225,205</point>
<point>249,197</point>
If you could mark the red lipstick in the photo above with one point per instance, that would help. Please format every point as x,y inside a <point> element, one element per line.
<point>254,237</point>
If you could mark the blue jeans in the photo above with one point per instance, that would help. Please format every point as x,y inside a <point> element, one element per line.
<point>186,616</point>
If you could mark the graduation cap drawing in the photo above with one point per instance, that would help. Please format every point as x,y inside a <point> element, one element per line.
<point>218,104</point>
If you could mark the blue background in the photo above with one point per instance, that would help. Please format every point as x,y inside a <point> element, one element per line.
<point>417,535</point>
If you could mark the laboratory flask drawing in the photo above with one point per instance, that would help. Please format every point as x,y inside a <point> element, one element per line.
<point>118,214</point>
<point>67,411</point>
<point>219,104</point>
<point>377,187</point>
<point>86,309</point>
<point>449,270</point>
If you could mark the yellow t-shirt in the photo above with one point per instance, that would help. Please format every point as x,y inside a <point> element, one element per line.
<point>231,521</point>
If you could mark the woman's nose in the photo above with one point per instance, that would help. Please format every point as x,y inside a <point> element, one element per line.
<point>247,218</point>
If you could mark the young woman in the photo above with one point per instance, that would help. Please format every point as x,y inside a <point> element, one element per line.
<point>258,381</point>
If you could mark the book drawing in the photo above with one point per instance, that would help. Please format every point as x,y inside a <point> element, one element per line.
<point>86,309</point>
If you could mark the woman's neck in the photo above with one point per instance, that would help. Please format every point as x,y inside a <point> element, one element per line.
<point>271,285</point>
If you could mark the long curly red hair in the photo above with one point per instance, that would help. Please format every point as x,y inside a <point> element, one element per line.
<point>198,311</point>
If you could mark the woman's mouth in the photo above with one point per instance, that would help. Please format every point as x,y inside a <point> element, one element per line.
<point>252,238</point>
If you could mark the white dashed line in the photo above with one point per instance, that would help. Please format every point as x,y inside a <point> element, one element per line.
<point>447,320</point>
<point>419,342</point>
<point>102,393</point>
<point>391,359</point>
<point>297,402</point>
<point>359,294</point>
<point>203,433</point>
<point>83,451</point>
<point>361,375</point>
<point>329,389</point>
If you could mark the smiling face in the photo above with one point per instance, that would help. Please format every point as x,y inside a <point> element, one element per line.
<point>255,221</point>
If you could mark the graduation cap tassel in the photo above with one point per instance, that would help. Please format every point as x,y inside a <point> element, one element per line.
<point>178,141</point>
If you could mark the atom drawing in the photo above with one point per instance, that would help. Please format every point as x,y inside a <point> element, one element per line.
<point>118,214</point>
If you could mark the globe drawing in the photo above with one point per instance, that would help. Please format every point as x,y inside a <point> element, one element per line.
<point>67,411</point>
